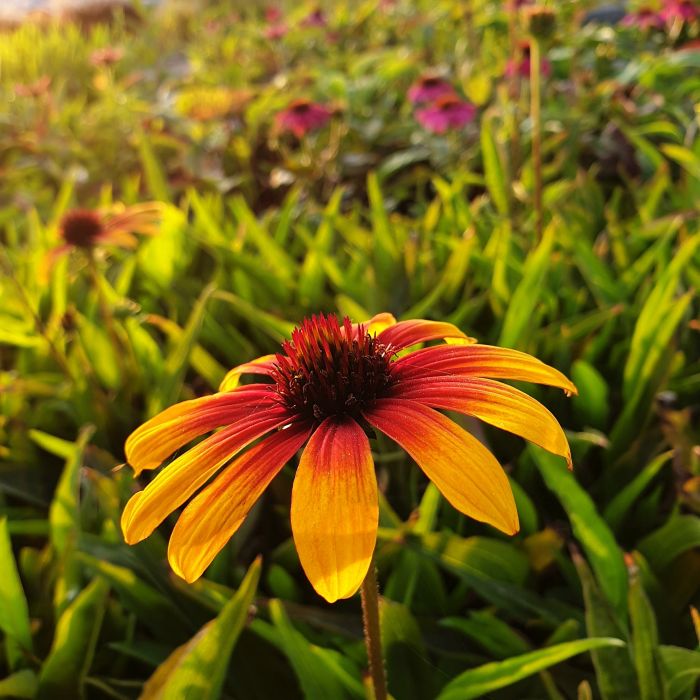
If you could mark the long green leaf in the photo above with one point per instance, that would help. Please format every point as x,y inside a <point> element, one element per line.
<point>197,669</point>
<point>500,674</point>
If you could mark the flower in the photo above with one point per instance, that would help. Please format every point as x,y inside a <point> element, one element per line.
<point>644,18</point>
<point>276,31</point>
<point>522,65</point>
<point>429,87</point>
<point>87,228</point>
<point>317,18</point>
<point>106,56</point>
<point>302,116</point>
<point>448,112</point>
<point>683,10</point>
<point>331,382</point>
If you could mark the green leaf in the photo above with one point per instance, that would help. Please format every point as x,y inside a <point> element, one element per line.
<point>156,179</point>
<point>64,513</point>
<point>499,674</point>
<point>196,670</point>
<point>592,404</point>
<point>408,673</point>
<point>386,252</point>
<point>620,505</point>
<point>679,534</point>
<point>490,633</point>
<point>682,669</point>
<point>179,357</point>
<point>64,670</point>
<point>645,642</point>
<point>614,671</point>
<point>589,528</point>
<point>22,684</point>
<point>314,666</point>
<point>494,170</point>
<point>520,310</point>
<point>14,612</point>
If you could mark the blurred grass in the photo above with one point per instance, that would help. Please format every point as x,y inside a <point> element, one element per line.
<point>371,214</point>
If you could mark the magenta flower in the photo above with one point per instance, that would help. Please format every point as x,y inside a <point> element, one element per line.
<point>317,18</point>
<point>448,112</point>
<point>644,18</point>
<point>276,31</point>
<point>428,88</point>
<point>521,66</point>
<point>684,10</point>
<point>302,116</point>
<point>273,15</point>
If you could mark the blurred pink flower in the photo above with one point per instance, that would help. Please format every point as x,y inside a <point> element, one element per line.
<point>644,18</point>
<point>428,88</point>
<point>106,56</point>
<point>302,116</point>
<point>273,15</point>
<point>684,10</point>
<point>276,31</point>
<point>317,18</point>
<point>448,112</point>
<point>522,65</point>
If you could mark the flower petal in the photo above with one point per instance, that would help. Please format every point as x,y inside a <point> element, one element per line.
<point>406,333</point>
<point>154,441</point>
<point>335,510</point>
<point>261,365</point>
<point>493,402</point>
<point>180,479</point>
<point>480,361</point>
<point>215,514</point>
<point>379,322</point>
<point>466,473</point>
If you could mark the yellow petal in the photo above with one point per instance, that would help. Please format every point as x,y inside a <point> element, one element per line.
<point>464,471</point>
<point>217,512</point>
<point>379,322</point>
<point>335,511</point>
<point>154,441</point>
<point>493,402</point>
<point>179,480</point>
<point>480,361</point>
<point>261,365</point>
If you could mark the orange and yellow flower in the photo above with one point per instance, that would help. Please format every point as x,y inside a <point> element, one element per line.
<point>332,383</point>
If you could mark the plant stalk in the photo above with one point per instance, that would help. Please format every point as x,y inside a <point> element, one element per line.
<point>536,118</point>
<point>370,619</point>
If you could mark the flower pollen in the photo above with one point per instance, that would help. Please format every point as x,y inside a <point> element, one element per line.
<point>82,228</point>
<point>331,370</point>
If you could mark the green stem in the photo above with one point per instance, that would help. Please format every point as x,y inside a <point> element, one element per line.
<point>536,118</point>
<point>370,619</point>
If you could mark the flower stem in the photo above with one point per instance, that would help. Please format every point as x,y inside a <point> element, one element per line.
<point>536,118</point>
<point>370,619</point>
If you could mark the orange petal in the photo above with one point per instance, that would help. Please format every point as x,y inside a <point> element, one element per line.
<point>261,365</point>
<point>217,512</point>
<point>466,473</point>
<point>406,333</point>
<point>154,441</point>
<point>495,403</point>
<point>335,510</point>
<point>180,479</point>
<point>481,361</point>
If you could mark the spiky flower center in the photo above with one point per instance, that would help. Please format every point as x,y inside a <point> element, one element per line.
<point>81,228</point>
<point>329,369</point>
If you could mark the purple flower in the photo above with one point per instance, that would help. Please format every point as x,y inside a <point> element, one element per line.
<point>644,18</point>
<point>428,88</point>
<point>448,112</point>
<point>317,18</point>
<point>684,10</point>
<point>302,116</point>
<point>521,66</point>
